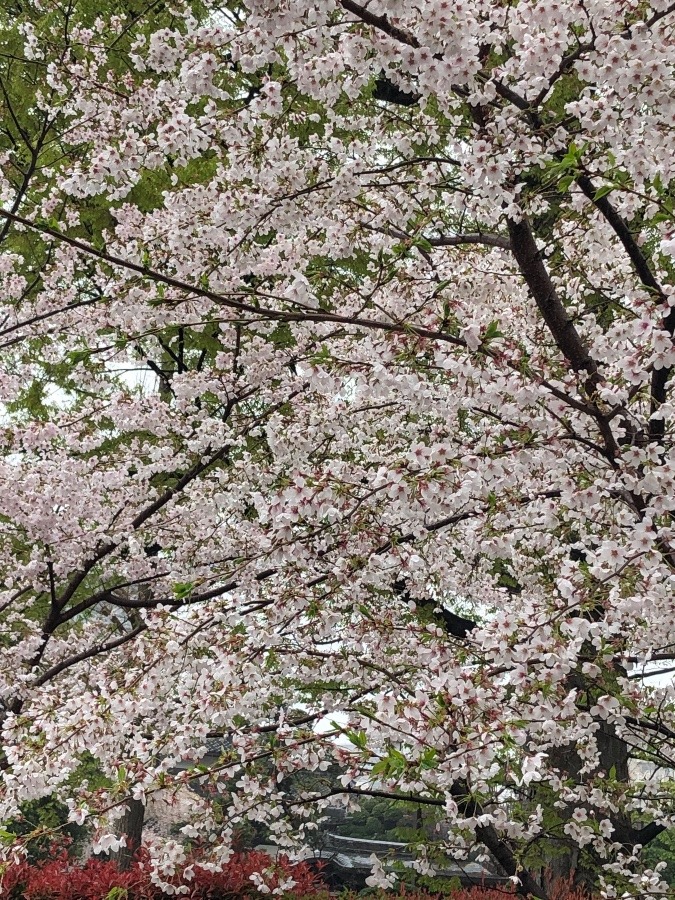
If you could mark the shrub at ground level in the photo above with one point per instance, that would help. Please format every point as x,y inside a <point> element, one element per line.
<point>247,874</point>
<point>63,879</point>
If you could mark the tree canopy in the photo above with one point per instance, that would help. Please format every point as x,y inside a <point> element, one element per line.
<point>337,417</point>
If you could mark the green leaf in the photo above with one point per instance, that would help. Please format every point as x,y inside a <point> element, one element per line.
<point>603,191</point>
<point>117,893</point>
<point>492,332</point>
<point>564,183</point>
<point>183,589</point>
<point>397,759</point>
<point>441,286</point>
<point>429,759</point>
<point>380,768</point>
<point>365,612</point>
<point>357,738</point>
<point>282,336</point>
<point>78,356</point>
<point>423,244</point>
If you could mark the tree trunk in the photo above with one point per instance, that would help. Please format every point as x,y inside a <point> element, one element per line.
<point>131,826</point>
<point>563,860</point>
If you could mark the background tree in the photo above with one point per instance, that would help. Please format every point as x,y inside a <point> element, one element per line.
<point>337,348</point>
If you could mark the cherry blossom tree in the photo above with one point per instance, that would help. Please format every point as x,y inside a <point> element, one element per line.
<point>337,342</point>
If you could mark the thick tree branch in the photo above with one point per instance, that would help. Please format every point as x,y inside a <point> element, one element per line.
<point>477,237</point>
<point>648,279</point>
<point>257,312</point>
<point>455,625</point>
<point>647,834</point>
<point>381,23</point>
<point>566,336</point>
<point>388,92</point>
<point>487,835</point>
<point>97,650</point>
<point>529,259</point>
<point>447,240</point>
<point>624,234</point>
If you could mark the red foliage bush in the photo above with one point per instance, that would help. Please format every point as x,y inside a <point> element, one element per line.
<point>561,889</point>
<point>62,879</point>
<point>235,879</point>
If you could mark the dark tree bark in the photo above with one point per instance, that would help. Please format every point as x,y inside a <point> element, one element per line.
<point>131,826</point>
<point>562,858</point>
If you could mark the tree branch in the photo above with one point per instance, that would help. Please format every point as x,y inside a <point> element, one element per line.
<point>533,270</point>
<point>648,279</point>
<point>258,312</point>
<point>381,23</point>
<point>450,240</point>
<point>624,234</point>
<point>88,654</point>
<point>388,92</point>
<point>486,834</point>
<point>478,237</point>
<point>455,625</point>
<point>562,328</point>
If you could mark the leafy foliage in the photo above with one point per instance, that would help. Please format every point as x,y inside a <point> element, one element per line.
<point>337,422</point>
<point>62,879</point>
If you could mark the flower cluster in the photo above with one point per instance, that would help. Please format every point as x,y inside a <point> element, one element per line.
<point>338,420</point>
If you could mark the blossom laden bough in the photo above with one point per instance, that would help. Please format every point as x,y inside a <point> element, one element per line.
<point>336,380</point>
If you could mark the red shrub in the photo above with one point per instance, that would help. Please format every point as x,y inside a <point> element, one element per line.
<point>235,879</point>
<point>64,879</point>
<point>562,889</point>
<point>12,878</point>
